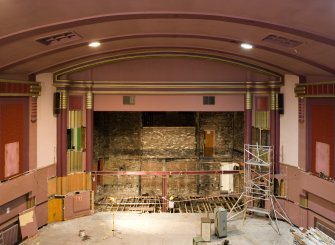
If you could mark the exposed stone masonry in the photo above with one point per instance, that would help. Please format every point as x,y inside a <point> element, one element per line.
<point>124,145</point>
<point>168,142</point>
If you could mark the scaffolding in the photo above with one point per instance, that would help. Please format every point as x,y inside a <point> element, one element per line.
<point>258,187</point>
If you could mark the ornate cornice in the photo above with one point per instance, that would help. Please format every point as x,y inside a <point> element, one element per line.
<point>19,88</point>
<point>315,90</point>
<point>166,87</point>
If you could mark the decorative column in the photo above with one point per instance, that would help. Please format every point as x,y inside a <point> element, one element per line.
<point>248,118</point>
<point>62,135</point>
<point>89,131</point>
<point>274,129</point>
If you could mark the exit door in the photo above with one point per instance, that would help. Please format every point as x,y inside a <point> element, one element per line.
<point>209,138</point>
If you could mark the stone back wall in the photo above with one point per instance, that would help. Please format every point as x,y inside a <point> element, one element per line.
<point>124,145</point>
<point>121,135</point>
<point>222,123</point>
<point>178,185</point>
<point>117,134</point>
<point>168,142</point>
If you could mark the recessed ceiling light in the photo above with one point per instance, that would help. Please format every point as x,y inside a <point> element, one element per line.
<point>94,44</point>
<point>246,45</point>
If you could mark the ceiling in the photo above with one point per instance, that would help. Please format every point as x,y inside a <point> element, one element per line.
<point>301,33</point>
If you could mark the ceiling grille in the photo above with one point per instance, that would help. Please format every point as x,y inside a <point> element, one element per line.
<point>129,100</point>
<point>208,100</point>
<point>59,38</point>
<point>281,41</point>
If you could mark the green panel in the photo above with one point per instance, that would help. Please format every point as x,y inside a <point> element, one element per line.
<point>78,143</point>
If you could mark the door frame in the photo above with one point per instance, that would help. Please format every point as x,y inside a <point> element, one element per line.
<point>204,141</point>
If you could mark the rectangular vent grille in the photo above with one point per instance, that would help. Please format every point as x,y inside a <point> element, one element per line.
<point>129,100</point>
<point>209,100</point>
<point>9,236</point>
<point>59,38</point>
<point>281,41</point>
<point>325,229</point>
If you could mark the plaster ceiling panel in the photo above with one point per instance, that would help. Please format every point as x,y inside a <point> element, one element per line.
<point>109,30</point>
<point>174,43</point>
<point>315,16</point>
<point>216,24</point>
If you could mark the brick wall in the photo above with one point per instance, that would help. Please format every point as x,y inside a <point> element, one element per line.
<point>124,145</point>
<point>117,134</point>
<point>168,142</point>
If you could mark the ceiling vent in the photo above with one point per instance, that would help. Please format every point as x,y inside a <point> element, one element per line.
<point>59,38</point>
<point>208,100</point>
<point>281,41</point>
<point>129,100</point>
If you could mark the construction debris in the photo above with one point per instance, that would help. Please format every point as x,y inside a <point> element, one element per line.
<point>312,236</point>
<point>83,236</point>
<point>153,204</point>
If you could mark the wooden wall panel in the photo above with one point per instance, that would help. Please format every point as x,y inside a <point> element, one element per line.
<point>72,183</point>
<point>70,206</point>
<point>14,207</point>
<point>29,190</point>
<point>321,129</point>
<point>55,210</point>
<point>42,214</point>
<point>76,205</point>
<point>14,127</point>
<point>52,186</point>
<point>28,223</point>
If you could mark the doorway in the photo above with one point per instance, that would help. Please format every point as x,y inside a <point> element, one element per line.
<point>209,143</point>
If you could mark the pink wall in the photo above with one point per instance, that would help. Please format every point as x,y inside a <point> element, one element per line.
<point>320,197</point>
<point>77,205</point>
<point>289,125</point>
<point>33,184</point>
<point>169,69</point>
<point>169,103</point>
<point>321,129</point>
<point>46,122</point>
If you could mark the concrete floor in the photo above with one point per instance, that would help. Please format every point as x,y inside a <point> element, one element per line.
<point>164,228</point>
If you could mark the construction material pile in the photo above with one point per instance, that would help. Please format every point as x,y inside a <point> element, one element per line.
<point>312,236</point>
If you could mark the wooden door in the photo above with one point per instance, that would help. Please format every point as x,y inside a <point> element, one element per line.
<point>209,142</point>
<point>55,210</point>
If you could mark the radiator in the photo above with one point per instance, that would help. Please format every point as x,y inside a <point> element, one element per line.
<point>326,229</point>
<point>9,236</point>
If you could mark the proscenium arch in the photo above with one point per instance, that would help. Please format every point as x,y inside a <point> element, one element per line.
<point>159,54</point>
<point>136,49</point>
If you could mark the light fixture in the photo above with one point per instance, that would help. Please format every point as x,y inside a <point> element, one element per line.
<point>246,45</point>
<point>94,44</point>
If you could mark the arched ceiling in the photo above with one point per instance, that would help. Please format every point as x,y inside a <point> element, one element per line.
<point>302,33</point>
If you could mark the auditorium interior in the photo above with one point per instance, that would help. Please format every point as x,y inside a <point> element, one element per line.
<point>117,110</point>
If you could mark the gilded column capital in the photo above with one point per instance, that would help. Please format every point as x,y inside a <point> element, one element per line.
<point>274,101</point>
<point>64,99</point>
<point>248,100</point>
<point>89,100</point>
